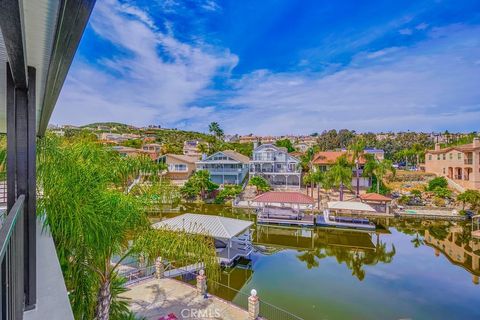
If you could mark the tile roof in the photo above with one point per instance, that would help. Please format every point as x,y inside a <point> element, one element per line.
<point>374,197</point>
<point>329,157</point>
<point>284,197</point>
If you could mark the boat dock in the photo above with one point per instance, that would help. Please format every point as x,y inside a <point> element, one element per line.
<point>305,220</point>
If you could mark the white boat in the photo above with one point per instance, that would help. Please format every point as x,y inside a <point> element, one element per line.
<point>327,220</point>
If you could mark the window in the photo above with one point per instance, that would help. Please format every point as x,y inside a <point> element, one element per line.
<point>438,157</point>
<point>451,156</point>
<point>180,167</point>
<point>429,157</point>
<point>459,156</point>
<point>443,170</point>
<point>444,156</point>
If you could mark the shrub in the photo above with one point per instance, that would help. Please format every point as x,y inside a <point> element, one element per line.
<point>438,202</point>
<point>403,200</point>
<point>229,192</point>
<point>259,182</point>
<point>416,193</point>
<point>442,192</point>
<point>438,182</point>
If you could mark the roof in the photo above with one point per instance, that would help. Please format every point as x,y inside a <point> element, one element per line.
<point>181,157</point>
<point>469,147</point>
<point>215,226</point>
<point>43,34</point>
<point>330,157</point>
<point>350,205</point>
<point>284,197</point>
<point>237,156</point>
<point>374,197</point>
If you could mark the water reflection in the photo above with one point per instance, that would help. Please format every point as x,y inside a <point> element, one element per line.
<point>353,248</point>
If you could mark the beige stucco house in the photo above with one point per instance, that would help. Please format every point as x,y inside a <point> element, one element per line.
<point>461,163</point>
<point>179,167</point>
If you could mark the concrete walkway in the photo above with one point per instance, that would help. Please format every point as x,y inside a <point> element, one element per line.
<point>156,298</point>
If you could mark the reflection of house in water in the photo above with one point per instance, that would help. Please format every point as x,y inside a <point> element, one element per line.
<point>458,252</point>
<point>299,238</point>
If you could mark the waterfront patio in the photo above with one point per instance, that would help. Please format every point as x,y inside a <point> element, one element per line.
<point>158,298</point>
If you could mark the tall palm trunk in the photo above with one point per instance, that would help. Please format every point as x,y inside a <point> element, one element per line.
<point>318,195</point>
<point>104,300</point>
<point>378,184</point>
<point>341,191</point>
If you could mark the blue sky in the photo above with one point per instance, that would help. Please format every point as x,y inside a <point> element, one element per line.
<point>278,66</point>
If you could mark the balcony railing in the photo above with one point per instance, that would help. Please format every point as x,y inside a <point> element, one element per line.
<point>12,267</point>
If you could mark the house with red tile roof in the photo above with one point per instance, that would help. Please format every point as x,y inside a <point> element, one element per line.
<point>323,160</point>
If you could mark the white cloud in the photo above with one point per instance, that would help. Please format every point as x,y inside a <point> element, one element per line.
<point>141,86</point>
<point>405,31</point>
<point>433,85</point>
<point>422,26</point>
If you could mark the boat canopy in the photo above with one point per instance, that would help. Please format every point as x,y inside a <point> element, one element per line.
<point>217,227</point>
<point>350,205</point>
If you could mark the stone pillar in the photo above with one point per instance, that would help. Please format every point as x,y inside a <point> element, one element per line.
<point>202,283</point>
<point>253,305</point>
<point>159,268</point>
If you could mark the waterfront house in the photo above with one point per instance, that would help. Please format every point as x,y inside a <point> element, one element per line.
<point>323,160</point>
<point>225,167</point>
<point>179,167</point>
<point>276,165</point>
<point>379,154</point>
<point>460,164</point>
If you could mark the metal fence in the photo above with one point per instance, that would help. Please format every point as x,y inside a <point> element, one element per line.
<point>11,263</point>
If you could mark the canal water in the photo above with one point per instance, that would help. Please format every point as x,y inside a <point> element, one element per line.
<point>406,269</point>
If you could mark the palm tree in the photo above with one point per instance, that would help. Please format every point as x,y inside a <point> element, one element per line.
<point>341,174</point>
<point>356,152</point>
<point>381,169</point>
<point>308,180</point>
<point>215,129</point>
<point>93,220</point>
<point>318,177</point>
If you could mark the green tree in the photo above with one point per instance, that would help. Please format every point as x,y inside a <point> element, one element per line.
<point>381,170</point>
<point>285,143</point>
<point>470,197</point>
<point>356,149</point>
<point>259,182</point>
<point>198,185</point>
<point>92,220</point>
<point>215,129</point>
<point>341,174</point>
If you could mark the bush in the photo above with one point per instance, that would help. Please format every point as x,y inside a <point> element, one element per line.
<point>438,182</point>
<point>442,192</point>
<point>403,200</point>
<point>259,182</point>
<point>229,192</point>
<point>416,193</point>
<point>438,202</point>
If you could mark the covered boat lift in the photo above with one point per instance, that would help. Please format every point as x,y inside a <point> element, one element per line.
<point>350,207</point>
<point>233,239</point>
<point>285,208</point>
